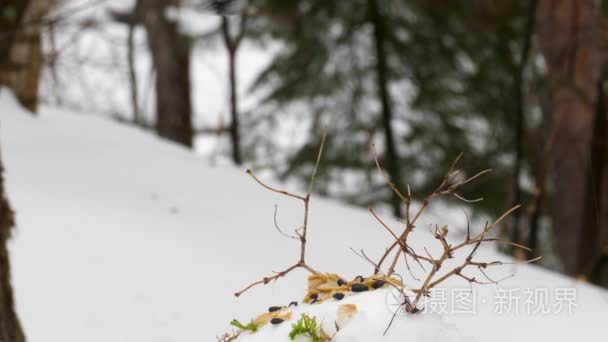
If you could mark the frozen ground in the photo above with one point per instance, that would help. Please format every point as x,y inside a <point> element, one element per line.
<point>123,237</point>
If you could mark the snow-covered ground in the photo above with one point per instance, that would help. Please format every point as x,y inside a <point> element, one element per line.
<point>124,237</point>
<point>368,323</point>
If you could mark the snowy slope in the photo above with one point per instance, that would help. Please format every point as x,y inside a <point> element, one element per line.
<point>123,237</point>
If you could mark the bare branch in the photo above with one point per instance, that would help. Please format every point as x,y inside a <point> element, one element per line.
<point>467,200</point>
<point>386,177</point>
<point>267,280</point>
<point>363,256</point>
<point>314,171</point>
<point>371,210</point>
<point>282,192</point>
<point>276,225</point>
<point>448,186</point>
<point>304,229</point>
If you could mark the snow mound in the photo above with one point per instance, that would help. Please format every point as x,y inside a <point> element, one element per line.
<point>369,322</point>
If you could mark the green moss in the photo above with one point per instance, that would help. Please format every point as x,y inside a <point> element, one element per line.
<point>306,325</point>
<point>252,327</point>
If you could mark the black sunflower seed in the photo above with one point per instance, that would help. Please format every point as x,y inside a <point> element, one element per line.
<point>277,320</point>
<point>274,308</point>
<point>339,295</point>
<point>293,304</point>
<point>341,282</point>
<point>378,284</point>
<point>359,288</point>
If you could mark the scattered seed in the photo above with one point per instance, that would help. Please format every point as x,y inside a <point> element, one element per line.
<point>359,288</point>
<point>276,320</point>
<point>339,295</point>
<point>378,284</point>
<point>293,304</point>
<point>341,282</point>
<point>274,308</point>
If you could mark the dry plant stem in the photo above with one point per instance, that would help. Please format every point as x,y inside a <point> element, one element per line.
<point>386,177</point>
<point>449,186</point>
<point>276,225</point>
<point>448,252</point>
<point>363,256</point>
<point>406,303</point>
<point>300,235</point>
<point>408,250</point>
<point>229,337</point>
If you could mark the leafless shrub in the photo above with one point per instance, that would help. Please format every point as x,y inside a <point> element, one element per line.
<point>450,184</point>
<point>401,247</point>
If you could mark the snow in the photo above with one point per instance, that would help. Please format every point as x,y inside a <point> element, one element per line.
<point>124,237</point>
<point>368,324</point>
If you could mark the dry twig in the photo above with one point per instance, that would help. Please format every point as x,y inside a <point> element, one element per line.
<point>452,181</point>
<point>450,184</point>
<point>300,233</point>
<point>228,337</point>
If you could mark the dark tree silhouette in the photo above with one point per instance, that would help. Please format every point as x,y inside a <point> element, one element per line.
<point>170,51</point>
<point>10,327</point>
<point>382,82</point>
<point>232,41</point>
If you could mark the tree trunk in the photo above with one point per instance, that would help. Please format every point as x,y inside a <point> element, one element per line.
<point>232,45</point>
<point>570,38</point>
<point>171,58</point>
<point>10,36</point>
<point>520,104</point>
<point>601,273</point>
<point>10,328</point>
<point>382,80</point>
<point>137,119</point>
<point>9,26</point>
<point>25,54</point>
<point>590,237</point>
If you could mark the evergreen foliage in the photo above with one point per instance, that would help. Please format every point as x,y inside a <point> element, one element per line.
<point>452,68</point>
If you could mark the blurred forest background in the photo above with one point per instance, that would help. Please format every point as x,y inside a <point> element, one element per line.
<point>516,85</point>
